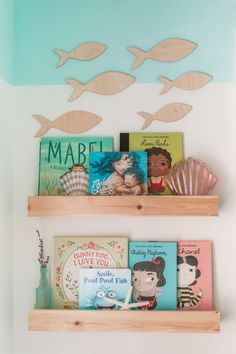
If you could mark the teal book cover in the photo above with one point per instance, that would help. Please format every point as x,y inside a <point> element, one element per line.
<point>98,288</point>
<point>118,173</point>
<point>64,162</point>
<point>154,274</point>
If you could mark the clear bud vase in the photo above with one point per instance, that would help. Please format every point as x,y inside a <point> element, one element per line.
<point>43,292</point>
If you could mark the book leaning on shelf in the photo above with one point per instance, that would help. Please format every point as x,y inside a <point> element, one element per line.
<point>64,162</point>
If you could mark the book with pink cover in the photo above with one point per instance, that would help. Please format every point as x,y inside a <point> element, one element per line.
<point>194,271</point>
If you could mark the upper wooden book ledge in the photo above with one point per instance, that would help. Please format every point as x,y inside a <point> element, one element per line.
<point>122,205</point>
<point>137,321</point>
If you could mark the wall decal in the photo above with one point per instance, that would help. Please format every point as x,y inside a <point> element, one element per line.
<point>107,83</point>
<point>169,50</point>
<point>169,113</point>
<point>85,51</point>
<point>73,122</point>
<point>188,81</point>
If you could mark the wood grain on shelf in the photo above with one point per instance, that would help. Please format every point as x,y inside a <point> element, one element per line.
<point>121,205</point>
<point>143,321</point>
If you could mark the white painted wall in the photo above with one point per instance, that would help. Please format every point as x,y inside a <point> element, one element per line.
<point>6,247</point>
<point>209,134</point>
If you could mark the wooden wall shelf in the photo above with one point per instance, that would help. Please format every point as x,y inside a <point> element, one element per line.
<point>136,321</point>
<point>119,205</point>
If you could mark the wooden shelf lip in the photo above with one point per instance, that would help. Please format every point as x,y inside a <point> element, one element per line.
<point>137,321</point>
<point>122,205</point>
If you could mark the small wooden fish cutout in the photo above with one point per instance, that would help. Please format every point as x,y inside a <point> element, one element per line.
<point>169,113</point>
<point>169,50</point>
<point>73,122</point>
<point>85,51</point>
<point>107,83</point>
<point>189,81</point>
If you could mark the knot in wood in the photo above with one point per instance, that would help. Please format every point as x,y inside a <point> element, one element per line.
<point>77,323</point>
<point>139,206</point>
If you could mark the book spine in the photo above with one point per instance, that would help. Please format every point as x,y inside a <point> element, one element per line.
<point>124,141</point>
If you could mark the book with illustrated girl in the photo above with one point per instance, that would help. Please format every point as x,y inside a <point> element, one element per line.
<point>194,269</point>
<point>118,173</point>
<point>154,278</point>
<point>163,150</point>
<point>73,253</point>
<point>63,166</point>
<point>100,289</point>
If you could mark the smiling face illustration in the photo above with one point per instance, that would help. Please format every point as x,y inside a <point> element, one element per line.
<point>100,301</point>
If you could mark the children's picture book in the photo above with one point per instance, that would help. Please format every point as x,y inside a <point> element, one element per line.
<point>63,167</point>
<point>194,269</point>
<point>163,150</point>
<point>118,173</point>
<point>73,253</point>
<point>154,278</point>
<point>98,288</point>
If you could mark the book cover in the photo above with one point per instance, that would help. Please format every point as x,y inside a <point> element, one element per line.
<point>98,286</point>
<point>163,149</point>
<point>154,278</point>
<point>118,173</point>
<point>63,168</point>
<point>194,269</point>
<point>72,253</point>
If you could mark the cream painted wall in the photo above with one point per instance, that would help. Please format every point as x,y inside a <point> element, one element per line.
<point>6,247</point>
<point>209,134</point>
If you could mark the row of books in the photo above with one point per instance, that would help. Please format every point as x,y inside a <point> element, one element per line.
<point>96,273</point>
<point>88,165</point>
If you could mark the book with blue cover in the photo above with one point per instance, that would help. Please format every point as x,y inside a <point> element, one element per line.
<point>118,173</point>
<point>64,162</point>
<point>98,288</point>
<point>154,275</point>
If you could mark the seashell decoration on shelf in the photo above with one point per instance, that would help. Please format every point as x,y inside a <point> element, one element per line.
<point>190,177</point>
<point>75,183</point>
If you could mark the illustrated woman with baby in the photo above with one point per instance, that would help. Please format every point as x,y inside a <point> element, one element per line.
<point>125,174</point>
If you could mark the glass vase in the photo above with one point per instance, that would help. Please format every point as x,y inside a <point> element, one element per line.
<point>43,291</point>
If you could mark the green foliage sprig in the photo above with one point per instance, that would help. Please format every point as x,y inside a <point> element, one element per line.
<point>42,261</point>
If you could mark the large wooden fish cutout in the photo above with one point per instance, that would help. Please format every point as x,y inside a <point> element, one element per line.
<point>85,51</point>
<point>107,83</point>
<point>169,113</point>
<point>189,81</point>
<point>73,122</point>
<point>169,50</point>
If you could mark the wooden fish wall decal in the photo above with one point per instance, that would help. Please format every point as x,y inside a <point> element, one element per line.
<point>169,113</point>
<point>85,51</point>
<point>169,50</point>
<point>189,81</point>
<point>107,83</point>
<point>73,122</point>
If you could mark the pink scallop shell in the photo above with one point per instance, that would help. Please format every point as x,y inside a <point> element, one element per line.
<point>190,177</point>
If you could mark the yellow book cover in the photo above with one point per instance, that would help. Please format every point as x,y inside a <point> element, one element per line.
<point>163,151</point>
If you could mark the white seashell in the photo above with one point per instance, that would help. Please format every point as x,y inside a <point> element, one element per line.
<point>75,183</point>
<point>190,177</point>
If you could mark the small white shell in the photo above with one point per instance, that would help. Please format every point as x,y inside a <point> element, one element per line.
<point>75,183</point>
<point>190,177</point>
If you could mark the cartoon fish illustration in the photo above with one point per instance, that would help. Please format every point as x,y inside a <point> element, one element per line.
<point>107,83</point>
<point>73,122</point>
<point>85,51</point>
<point>188,81</point>
<point>169,50</point>
<point>168,113</point>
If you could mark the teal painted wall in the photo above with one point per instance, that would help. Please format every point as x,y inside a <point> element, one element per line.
<point>6,39</point>
<point>43,25</point>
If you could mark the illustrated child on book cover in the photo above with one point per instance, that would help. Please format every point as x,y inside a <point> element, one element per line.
<point>194,273</point>
<point>159,164</point>
<point>188,273</point>
<point>118,173</point>
<point>75,181</point>
<point>147,280</point>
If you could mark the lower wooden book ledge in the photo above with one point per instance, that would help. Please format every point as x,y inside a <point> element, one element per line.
<point>137,321</point>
